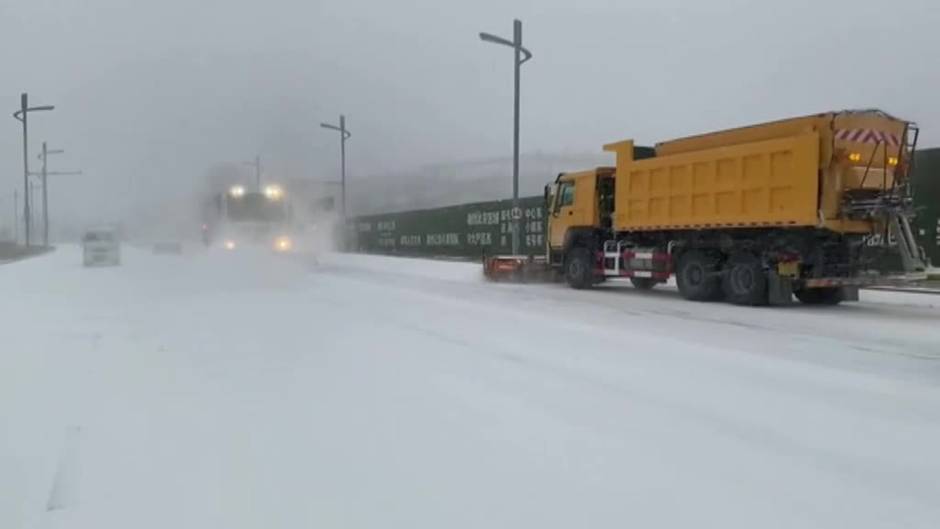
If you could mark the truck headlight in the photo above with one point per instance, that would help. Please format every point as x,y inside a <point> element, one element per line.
<point>237,191</point>
<point>283,244</point>
<point>273,192</point>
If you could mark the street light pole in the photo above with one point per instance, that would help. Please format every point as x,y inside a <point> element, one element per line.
<point>21,115</point>
<point>342,159</point>
<point>521,55</point>
<point>31,195</point>
<point>45,194</point>
<point>344,135</point>
<point>45,198</point>
<point>517,44</point>
<point>258,171</point>
<point>257,165</point>
<point>24,108</point>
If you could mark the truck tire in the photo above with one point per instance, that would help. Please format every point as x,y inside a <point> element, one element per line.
<point>696,276</point>
<point>744,280</point>
<point>643,283</point>
<point>579,268</point>
<point>819,296</point>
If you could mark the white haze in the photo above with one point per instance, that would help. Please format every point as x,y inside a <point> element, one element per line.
<point>150,95</point>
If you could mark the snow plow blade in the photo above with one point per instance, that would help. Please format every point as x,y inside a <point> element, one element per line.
<point>517,268</point>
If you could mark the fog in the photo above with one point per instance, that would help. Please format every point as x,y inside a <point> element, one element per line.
<point>150,95</point>
<point>233,370</point>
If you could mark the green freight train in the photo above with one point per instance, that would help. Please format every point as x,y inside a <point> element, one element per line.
<point>466,230</point>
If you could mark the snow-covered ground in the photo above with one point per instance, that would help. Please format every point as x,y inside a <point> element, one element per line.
<point>244,391</point>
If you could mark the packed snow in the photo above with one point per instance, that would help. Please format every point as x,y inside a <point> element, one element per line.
<point>245,390</point>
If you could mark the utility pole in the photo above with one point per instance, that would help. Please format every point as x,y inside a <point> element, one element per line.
<point>21,115</point>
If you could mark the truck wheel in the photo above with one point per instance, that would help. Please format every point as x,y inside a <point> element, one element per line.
<point>744,280</point>
<point>696,278</point>
<point>643,283</point>
<point>579,268</point>
<point>819,296</point>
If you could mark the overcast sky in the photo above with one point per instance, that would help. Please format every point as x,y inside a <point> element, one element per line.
<point>149,94</point>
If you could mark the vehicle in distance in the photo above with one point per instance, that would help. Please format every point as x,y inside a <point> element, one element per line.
<point>261,218</point>
<point>101,247</point>
<point>752,215</point>
<point>168,247</point>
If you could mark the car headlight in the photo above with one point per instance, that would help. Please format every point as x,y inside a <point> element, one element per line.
<point>229,245</point>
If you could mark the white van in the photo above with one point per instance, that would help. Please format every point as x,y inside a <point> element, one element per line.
<point>101,247</point>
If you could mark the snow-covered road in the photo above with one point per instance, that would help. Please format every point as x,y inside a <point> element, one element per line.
<point>245,391</point>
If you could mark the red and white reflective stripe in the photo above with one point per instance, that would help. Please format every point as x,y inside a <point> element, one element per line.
<point>867,136</point>
<point>662,276</point>
<point>653,256</point>
<point>838,282</point>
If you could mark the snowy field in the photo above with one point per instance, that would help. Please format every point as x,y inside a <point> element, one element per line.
<point>242,390</point>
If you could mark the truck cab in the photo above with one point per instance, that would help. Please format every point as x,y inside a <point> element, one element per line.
<point>580,205</point>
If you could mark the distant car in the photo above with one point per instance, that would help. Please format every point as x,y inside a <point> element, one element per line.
<point>168,247</point>
<point>100,247</point>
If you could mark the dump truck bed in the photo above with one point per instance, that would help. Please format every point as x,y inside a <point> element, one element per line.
<point>787,173</point>
<point>759,184</point>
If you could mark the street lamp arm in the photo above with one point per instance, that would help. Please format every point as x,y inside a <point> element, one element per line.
<point>346,133</point>
<point>50,151</point>
<point>528,54</point>
<point>18,115</point>
<point>489,37</point>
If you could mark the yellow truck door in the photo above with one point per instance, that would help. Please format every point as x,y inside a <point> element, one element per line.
<point>574,205</point>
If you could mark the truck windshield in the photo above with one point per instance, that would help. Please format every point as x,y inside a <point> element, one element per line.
<point>98,236</point>
<point>255,207</point>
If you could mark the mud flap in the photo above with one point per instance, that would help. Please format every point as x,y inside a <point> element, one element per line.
<point>779,289</point>
<point>849,293</point>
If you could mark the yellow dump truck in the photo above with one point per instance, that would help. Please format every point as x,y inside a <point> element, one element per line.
<point>753,215</point>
